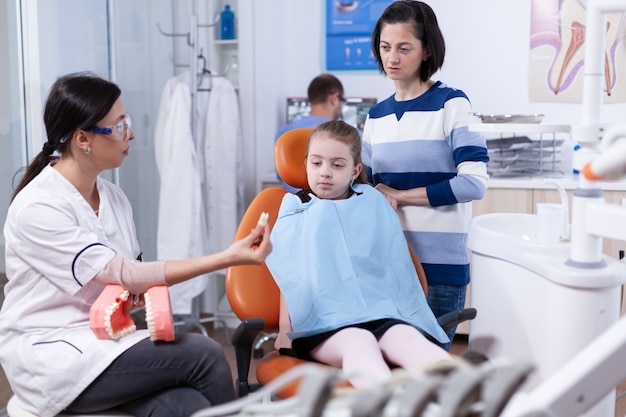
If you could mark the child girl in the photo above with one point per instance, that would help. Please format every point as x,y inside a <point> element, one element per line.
<point>350,296</point>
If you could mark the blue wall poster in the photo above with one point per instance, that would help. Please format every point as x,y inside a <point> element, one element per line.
<point>349,26</point>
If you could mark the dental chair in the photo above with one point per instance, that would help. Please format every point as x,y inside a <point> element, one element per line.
<point>254,296</point>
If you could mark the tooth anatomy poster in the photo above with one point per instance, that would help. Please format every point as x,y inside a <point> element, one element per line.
<point>349,26</point>
<point>557,52</point>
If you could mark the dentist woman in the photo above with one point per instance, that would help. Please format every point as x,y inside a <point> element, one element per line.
<point>69,233</point>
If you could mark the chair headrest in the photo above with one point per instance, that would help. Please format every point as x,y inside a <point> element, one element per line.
<point>289,154</point>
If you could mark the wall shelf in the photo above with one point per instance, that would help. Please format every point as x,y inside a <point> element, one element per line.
<point>518,128</point>
<point>226,41</point>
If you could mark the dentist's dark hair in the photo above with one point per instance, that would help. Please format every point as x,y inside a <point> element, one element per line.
<point>425,28</point>
<point>76,101</point>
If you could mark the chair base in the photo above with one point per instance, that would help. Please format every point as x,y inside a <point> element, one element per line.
<point>14,409</point>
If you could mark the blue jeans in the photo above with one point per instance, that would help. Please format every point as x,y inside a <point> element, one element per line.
<point>443,299</point>
<point>173,379</point>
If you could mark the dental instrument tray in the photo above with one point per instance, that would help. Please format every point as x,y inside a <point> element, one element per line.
<point>526,149</point>
<point>510,118</point>
<point>520,155</point>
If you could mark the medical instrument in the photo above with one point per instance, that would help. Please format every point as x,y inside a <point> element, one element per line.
<point>450,389</point>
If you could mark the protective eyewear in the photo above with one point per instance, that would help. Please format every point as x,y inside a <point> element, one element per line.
<point>120,131</point>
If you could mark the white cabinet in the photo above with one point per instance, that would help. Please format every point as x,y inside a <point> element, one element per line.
<point>224,54</point>
<point>226,51</point>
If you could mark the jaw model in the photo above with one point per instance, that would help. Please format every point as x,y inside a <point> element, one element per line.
<point>108,318</point>
<point>159,313</point>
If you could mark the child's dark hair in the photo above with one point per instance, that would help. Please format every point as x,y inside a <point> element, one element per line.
<point>345,133</point>
<point>425,28</point>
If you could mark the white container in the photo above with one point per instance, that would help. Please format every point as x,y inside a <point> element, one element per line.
<point>551,223</point>
<point>532,305</point>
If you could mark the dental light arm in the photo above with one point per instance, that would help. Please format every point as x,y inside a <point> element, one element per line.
<point>611,163</point>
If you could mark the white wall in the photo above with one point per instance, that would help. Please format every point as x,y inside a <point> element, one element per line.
<point>487,57</point>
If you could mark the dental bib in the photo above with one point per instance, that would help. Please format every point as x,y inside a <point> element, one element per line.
<point>340,262</point>
<point>108,318</point>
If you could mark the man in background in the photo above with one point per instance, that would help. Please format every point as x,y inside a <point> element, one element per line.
<point>326,95</point>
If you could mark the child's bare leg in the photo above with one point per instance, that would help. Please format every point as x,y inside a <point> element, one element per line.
<point>354,349</point>
<point>405,346</point>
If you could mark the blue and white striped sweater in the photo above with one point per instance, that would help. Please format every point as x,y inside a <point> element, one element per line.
<point>425,142</point>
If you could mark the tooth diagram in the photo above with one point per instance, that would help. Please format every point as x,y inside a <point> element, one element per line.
<point>561,25</point>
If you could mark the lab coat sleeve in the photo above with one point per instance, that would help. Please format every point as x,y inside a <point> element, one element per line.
<point>47,235</point>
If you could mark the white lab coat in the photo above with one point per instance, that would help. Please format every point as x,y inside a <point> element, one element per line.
<point>55,245</point>
<point>181,228</point>
<point>222,161</point>
<point>201,183</point>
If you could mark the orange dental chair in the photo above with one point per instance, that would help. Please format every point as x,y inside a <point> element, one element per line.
<point>251,291</point>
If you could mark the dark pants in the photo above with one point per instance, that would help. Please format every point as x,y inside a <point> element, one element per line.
<point>166,379</point>
<point>443,299</point>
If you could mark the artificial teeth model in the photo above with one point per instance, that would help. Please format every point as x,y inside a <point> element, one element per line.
<point>159,314</point>
<point>109,318</point>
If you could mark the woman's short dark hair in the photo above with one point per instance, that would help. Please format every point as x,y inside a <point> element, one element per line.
<point>425,28</point>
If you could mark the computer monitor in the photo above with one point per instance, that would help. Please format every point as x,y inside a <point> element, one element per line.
<point>354,110</point>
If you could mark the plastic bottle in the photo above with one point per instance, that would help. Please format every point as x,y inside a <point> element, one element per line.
<point>227,23</point>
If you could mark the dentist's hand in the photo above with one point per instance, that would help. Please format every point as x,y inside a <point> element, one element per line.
<point>252,249</point>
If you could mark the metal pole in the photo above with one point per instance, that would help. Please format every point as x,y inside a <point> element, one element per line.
<point>115,173</point>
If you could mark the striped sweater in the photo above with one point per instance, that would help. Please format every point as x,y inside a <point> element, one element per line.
<point>425,142</point>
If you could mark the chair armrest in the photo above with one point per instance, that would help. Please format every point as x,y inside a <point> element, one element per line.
<point>243,338</point>
<point>454,318</point>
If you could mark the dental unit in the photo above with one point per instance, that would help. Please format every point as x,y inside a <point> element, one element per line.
<point>585,383</point>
